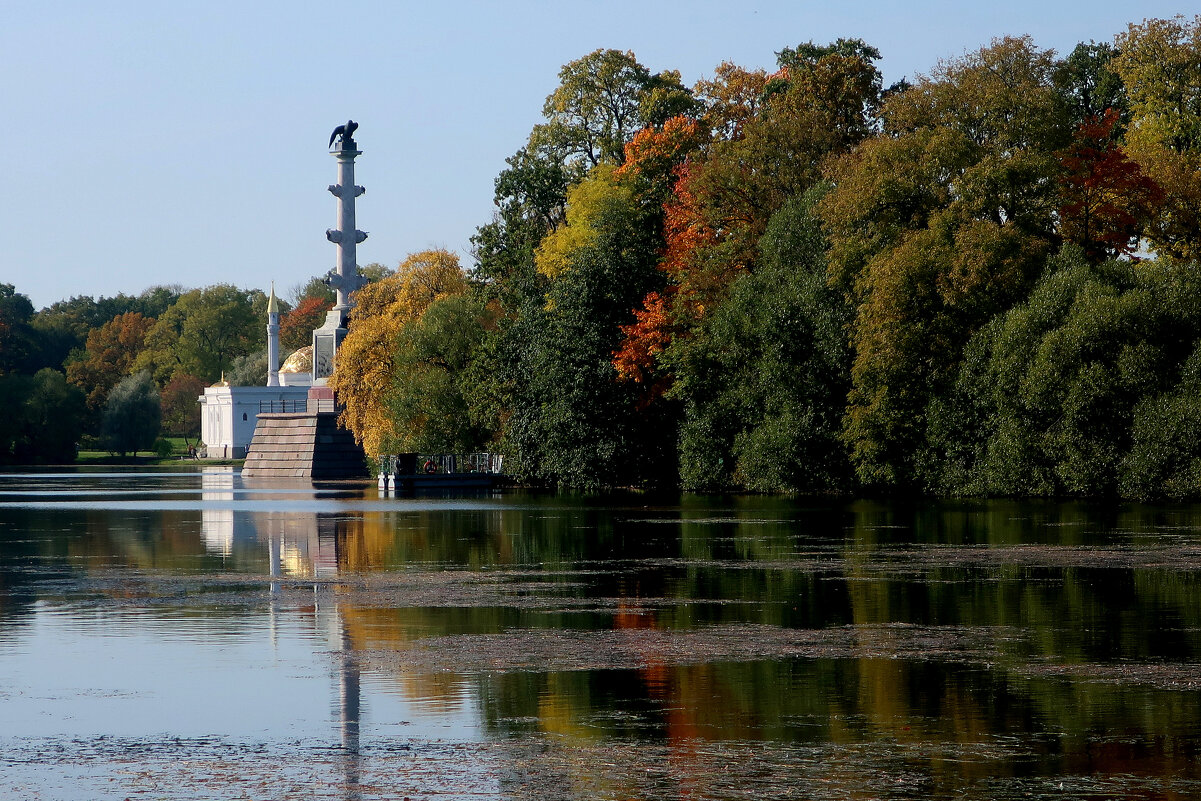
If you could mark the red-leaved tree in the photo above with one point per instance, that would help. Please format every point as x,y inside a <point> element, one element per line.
<point>1106,198</point>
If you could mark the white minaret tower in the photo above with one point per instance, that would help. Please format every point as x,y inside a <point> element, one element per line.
<point>345,277</point>
<point>272,339</point>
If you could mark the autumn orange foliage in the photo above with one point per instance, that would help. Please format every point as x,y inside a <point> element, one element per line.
<point>109,355</point>
<point>655,154</point>
<point>654,327</point>
<point>644,339</point>
<point>657,323</point>
<point>684,227</point>
<point>296,327</point>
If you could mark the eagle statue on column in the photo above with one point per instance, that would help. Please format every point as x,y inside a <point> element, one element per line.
<point>343,132</point>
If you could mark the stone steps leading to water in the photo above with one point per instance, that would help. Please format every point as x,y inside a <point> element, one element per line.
<point>303,445</point>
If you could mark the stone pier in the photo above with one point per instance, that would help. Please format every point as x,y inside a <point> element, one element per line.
<point>304,445</point>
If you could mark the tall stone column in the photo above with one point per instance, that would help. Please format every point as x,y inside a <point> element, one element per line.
<point>310,445</point>
<point>345,277</point>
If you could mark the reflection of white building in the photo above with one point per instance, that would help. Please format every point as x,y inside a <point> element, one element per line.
<point>217,523</point>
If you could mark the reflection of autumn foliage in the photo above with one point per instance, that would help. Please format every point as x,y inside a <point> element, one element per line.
<point>1106,198</point>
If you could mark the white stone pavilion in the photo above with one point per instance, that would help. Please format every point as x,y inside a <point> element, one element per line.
<point>229,415</point>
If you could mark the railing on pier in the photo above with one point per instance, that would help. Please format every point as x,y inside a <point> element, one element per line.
<point>289,406</point>
<point>283,406</point>
<point>443,463</point>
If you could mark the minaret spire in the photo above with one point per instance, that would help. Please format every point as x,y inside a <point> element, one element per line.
<point>272,339</point>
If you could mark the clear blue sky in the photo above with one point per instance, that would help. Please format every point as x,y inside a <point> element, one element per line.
<point>185,142</point>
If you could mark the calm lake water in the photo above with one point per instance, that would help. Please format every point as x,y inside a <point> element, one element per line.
<point>186,634</point>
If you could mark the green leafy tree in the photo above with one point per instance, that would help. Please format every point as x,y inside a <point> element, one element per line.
<point>17,346</point>
<point>1081,389</point>
<point>132,415</point>
<point>1164,460</point>
<point>572,422</point>
<point>203,332</point>
<point>1090,86</point>
<point>43,421</point>
<point>248,370</point>
<point>14,390</point>
<point>603,99</point>
<point>766,387</point>
<point>55,415</point>
<point>439,362</point>
<point>935,228</point>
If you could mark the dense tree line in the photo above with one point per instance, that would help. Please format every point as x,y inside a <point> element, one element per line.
<point>116,372</point>
<point>982,281</point>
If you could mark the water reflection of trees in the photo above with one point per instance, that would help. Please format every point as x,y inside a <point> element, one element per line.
<point>778,562</point>
<point>817,571</point>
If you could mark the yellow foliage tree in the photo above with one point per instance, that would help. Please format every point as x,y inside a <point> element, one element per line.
<point>586,203</point>
<point>1160,63</point>
<point>365,365</point>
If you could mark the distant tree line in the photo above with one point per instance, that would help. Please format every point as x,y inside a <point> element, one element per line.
<point>115,373</point>
<point>981,281</point>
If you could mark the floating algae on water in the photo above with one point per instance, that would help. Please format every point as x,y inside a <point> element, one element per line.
<point>330,645</point>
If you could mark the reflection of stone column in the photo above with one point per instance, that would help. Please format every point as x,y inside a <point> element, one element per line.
<point>325,559</point>
<point>349,711</point>
<point>275,545</point>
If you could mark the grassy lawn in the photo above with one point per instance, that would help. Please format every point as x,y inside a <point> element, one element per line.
<point>178,453</point>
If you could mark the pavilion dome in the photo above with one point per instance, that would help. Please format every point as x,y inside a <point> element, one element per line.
<point>299,362</point>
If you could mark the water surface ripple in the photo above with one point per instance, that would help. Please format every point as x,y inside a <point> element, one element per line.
<point>184,634</point>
